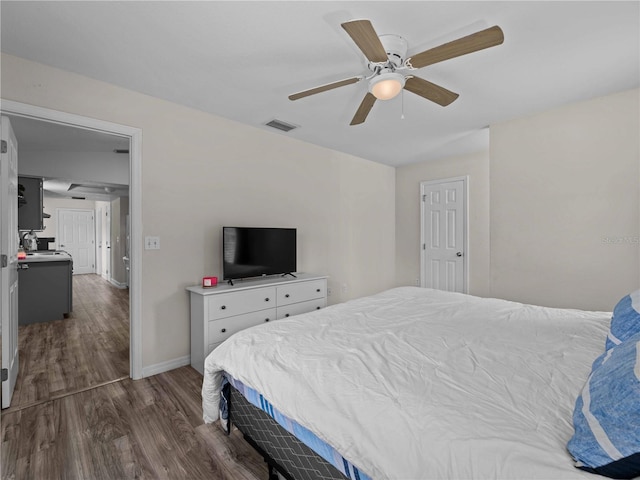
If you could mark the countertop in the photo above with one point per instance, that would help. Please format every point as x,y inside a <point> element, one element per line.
<point>46,256</point>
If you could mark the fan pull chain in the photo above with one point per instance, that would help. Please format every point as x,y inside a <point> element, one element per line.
<point>402,102</point>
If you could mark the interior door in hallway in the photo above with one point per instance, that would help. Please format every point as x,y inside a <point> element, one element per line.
<point>76,235</point>
<point>443,232</point>
<point>98,223</point>
<point>9,252</point>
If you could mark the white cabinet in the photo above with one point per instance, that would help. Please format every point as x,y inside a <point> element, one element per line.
<point>219,312</point>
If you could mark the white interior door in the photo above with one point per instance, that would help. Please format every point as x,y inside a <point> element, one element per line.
<point>444,237</point>
<point>106,242</point>
<point>9,252</point>
<point>98,253</point>
<point>76,235</point>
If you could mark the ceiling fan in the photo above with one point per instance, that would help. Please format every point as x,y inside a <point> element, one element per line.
<point>390,67</point>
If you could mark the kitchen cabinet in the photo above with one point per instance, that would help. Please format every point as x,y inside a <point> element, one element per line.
<point>44,287</point>
<point>30,215</point>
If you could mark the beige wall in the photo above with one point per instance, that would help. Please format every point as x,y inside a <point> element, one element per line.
<point>565,196</point>
<point>554,207</point>
<point>408,179</point>
<point>200,172</point>
<point>557,189</point>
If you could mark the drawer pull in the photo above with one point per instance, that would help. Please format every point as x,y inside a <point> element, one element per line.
<point>317,308</point>
<point>223,307</point>
<point>286,315</point>
<point>318,290</point>
<point>286,296</point>
<point>223,330</point>
<point>266,299</point>
<point>266,319</point>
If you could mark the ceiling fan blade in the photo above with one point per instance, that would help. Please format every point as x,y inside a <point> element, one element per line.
<point>364,109</point>
<point>430,91</point>
<point>366,38</point>
<point>472,43</point>
<point>324,88</point>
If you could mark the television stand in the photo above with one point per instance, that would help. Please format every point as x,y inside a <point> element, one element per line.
<point>217,313</point>
<point>289,273</point>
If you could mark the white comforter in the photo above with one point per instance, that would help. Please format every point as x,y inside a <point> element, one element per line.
<point>415,383</point>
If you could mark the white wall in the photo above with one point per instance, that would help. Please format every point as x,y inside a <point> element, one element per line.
<point>200,172</point>
<point>408,179</point>
<point>565,204</point>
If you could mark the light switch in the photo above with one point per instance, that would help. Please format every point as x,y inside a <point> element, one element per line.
<point>152,243</point>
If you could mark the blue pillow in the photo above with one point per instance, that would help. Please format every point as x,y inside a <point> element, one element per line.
<point>625,321</point>
<point>607,414</point>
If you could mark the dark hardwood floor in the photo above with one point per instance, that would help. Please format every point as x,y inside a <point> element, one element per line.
<point>76,414</point>
<point>88,348</point>
<point>150,428</point>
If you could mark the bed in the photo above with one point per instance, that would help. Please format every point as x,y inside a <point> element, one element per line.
<point>411,383</point>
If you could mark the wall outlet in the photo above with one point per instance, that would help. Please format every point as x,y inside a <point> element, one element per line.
<point>328,291</point>
<point>152,243</point>
<point>344,288</point>
<point>417,281</point>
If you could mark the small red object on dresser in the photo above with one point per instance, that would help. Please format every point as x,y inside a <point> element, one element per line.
<point>209,281</point>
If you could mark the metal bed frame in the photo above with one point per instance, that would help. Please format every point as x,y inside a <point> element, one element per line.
<point>282,451</point>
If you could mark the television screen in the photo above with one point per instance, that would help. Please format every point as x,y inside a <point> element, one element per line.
<point>252,252</point>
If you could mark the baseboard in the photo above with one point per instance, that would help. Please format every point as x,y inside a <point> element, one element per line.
<point>117,284</point>
<point>166,366</point>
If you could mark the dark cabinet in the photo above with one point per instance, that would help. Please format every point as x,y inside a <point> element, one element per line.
<point>30,204</point>
<point>45,291</point>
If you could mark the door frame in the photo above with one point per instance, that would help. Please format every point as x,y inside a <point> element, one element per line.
<point>465,225</point>
<point>106,235</point>
<point>97,213</point>
<point>135,206</point>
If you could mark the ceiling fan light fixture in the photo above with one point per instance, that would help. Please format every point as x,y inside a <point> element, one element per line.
<point>387,85</point>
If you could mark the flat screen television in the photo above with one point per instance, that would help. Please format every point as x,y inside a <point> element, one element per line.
<point>253,252</point>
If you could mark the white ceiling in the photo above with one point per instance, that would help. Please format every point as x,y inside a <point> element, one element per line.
<point>71,160</point>
<point>40,136</point>
<point>240,60</point>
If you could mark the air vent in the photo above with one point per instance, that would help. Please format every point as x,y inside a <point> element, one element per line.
<point>280,125</point>
<point>79,198</point>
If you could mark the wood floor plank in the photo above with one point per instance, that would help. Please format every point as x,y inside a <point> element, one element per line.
<point>76,415</point>
<point>88,348</point>
<point>147,429</point>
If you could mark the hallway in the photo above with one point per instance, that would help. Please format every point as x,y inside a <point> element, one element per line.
<point>88,348</point>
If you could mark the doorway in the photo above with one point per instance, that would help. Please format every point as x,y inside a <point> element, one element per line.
<point>134,136</point>
<point>444,234</point>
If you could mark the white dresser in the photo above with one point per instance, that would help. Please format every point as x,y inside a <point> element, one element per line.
<point>219,312</point>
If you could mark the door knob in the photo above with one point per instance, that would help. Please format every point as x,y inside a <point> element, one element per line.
<point>459,254</point>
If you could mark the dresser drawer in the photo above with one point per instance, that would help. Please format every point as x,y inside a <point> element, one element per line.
<point>301,292</point>
<point>220,330</point>
<point>302,307</point>
<point>237,303</point>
